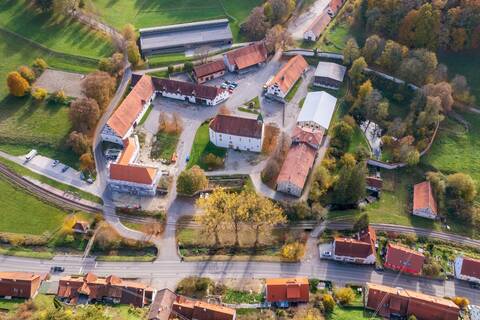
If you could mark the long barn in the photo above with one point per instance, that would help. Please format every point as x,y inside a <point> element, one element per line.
<point>181,37</point>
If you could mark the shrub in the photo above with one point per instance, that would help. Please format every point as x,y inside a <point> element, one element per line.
<point>293,251</point>
<point>328,303</point>
<point>212,161</point>
<point>191,181</point>
<point>40,64</point>
<point>18,86</point>
<point>462,302</point>
<point>39,94</point>
<point>170,69</point>
<point>58,97</point>
<point>196,287</point>
<point>345,295</point>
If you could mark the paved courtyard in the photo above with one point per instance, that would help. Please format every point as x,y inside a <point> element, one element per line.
<point>55,80</point>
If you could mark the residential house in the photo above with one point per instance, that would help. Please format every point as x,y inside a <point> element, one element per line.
<point>284,291</point>
<point>358,249</point>
<point>316,28</point>
<point>329,75</point>
<point>424,204</point>
<point>190,92</point>
<point>161,307</point>
<point>243,59</point>
<point>235,132</point>
<point>296,168</point>
<point>186,36</point>
<point>467,269</point>
<point>81,227</point>
<point>404,259</point>
<point>126,176</point>
<point>186,309</point>
<point>91,289</point>
<point>317,111</point>
<point>285,79</point>
<point>127,116</point>
<point>208,71</point>
<point>398,303</point>
<point>22,285</point>
<point>473,312</point>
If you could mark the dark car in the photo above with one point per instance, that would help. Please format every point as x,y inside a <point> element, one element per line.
<point>57,269</point>
<point>65,168</point>
<point>474,285</point>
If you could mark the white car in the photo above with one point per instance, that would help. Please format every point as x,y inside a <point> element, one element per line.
<point>326,254</point>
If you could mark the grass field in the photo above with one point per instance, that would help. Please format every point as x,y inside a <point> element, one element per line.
<point>202,146</point>
<point>350,313</point>
<point>55,32</point>
<point>23,213</point>
<point>144,13</point>
<point>455,149</point>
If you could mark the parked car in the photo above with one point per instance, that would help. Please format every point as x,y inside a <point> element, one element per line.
<point>223,86</point>
<point>228,82</point>
<point>55,163</point>
<point>89,180</point>
<point>326,254</point>
<point>31,155</point>
<point>187,159</point>
<point>65,168</point>
<point>474,285</point>
<point>230,90</point>
<point>234,84</point>
<point>57,269</point>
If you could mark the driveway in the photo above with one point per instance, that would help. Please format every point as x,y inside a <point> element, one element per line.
<point>299,24</point>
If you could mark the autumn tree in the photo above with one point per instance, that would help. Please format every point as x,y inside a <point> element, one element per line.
<point>280,10</point>
<point>79,142</point>
<point>129,33</point>
<point>214,208</point>
<point>293,251</point>
<point>356,71</point>
<point>392,56</point>
<point>443,91</point>
<point>308,314</point>
<point>39,64</point>
<point>84,114</point>
<point>99,86</point>
<point>278,38</point>
<point>462,302</point>
<point>191,180</point>
<point>133,53</point>
<point>87,162</point>
<point>427,27</point>
<point>351,52</point>
<point>328,303</point>
<point>372,49</point>
<point>361,223</point>
<point>350,186</point>
<point>341,135</point>
<point>112,65</point>
<point>256,25</point>
<point>432,114</point>
<point>459,39</point>
<point>461,186</point>
<point>39,94</point>
<point>18,86</point>
<point>461,90</point>
<point>322,182</point>
<point>27,73</point>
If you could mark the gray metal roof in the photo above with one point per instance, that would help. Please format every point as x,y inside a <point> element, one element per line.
<point>330,70</point>
<point>318,107</point>
<point>195,33</point>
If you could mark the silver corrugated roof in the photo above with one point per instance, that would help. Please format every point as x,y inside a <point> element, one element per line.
<point>330,70</point>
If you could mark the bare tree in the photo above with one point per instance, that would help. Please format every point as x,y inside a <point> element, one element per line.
<point>202,54</point>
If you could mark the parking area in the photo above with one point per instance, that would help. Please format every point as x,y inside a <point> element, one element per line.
<point>325,250</point>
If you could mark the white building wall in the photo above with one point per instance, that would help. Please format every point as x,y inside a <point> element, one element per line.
<point>424,213</point>
<point>289,188</point>
<point>274,90</point>
<point>230,67</point>
<point>223,140</point>
<point>310,124</point>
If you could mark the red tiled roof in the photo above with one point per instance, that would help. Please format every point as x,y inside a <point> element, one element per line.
<point>471,267</point>
<point>162,305</point>
<point>187,88</point>
<point>131,173</point>
<point>237,126</point>
<point>18,276</point>
<point>287,289</point>
<point>209,68</point>
<point>129,148</point>
<point>122,119</point>
<point>310,136</point>
<point>362,246</point>
<point>404,259</point>
<point>290,73</point>
<point>200,310</point>
<point>297,165</point>
<point>335,5</point>
<point>423,197</point>
<point>247,56</point>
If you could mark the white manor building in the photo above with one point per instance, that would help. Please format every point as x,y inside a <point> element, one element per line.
<point>230,131</point>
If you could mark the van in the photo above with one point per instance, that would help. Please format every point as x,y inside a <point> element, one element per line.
<point>31,154</point>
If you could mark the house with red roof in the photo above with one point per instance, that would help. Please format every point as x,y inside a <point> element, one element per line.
<point>285,79</point>
<point>187,309</point>
<point>284,291</point>
<point>208,71</point>
<point>403,259</point>
<point>316,28</point>
<point>235,132</point>
<point>467,269</point>
<point>357,249</point>
<point>22,285</point>
<point>424,204</point>
<point>243,59</point>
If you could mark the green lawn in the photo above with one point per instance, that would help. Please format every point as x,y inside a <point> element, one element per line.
<point>23,213</point>
<point>350,313</point>
<point>168,59</point>
<point>202,146</point>
<point>145,13</point>
<point>11,304</point>
<point>334,39</point>
<point>165,145</point>
<point>234,296</point>
<point>455,149</point>
<point>145,116</point>
<point>358,140</point>
<point>55,32</point>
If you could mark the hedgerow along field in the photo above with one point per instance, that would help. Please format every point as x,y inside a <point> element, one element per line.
<point>147,13</point>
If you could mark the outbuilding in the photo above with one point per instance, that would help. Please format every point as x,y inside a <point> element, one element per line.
<point>317,111</point>
<point>209,71</point>
<point>329,75</point>
<point>287,77</point>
